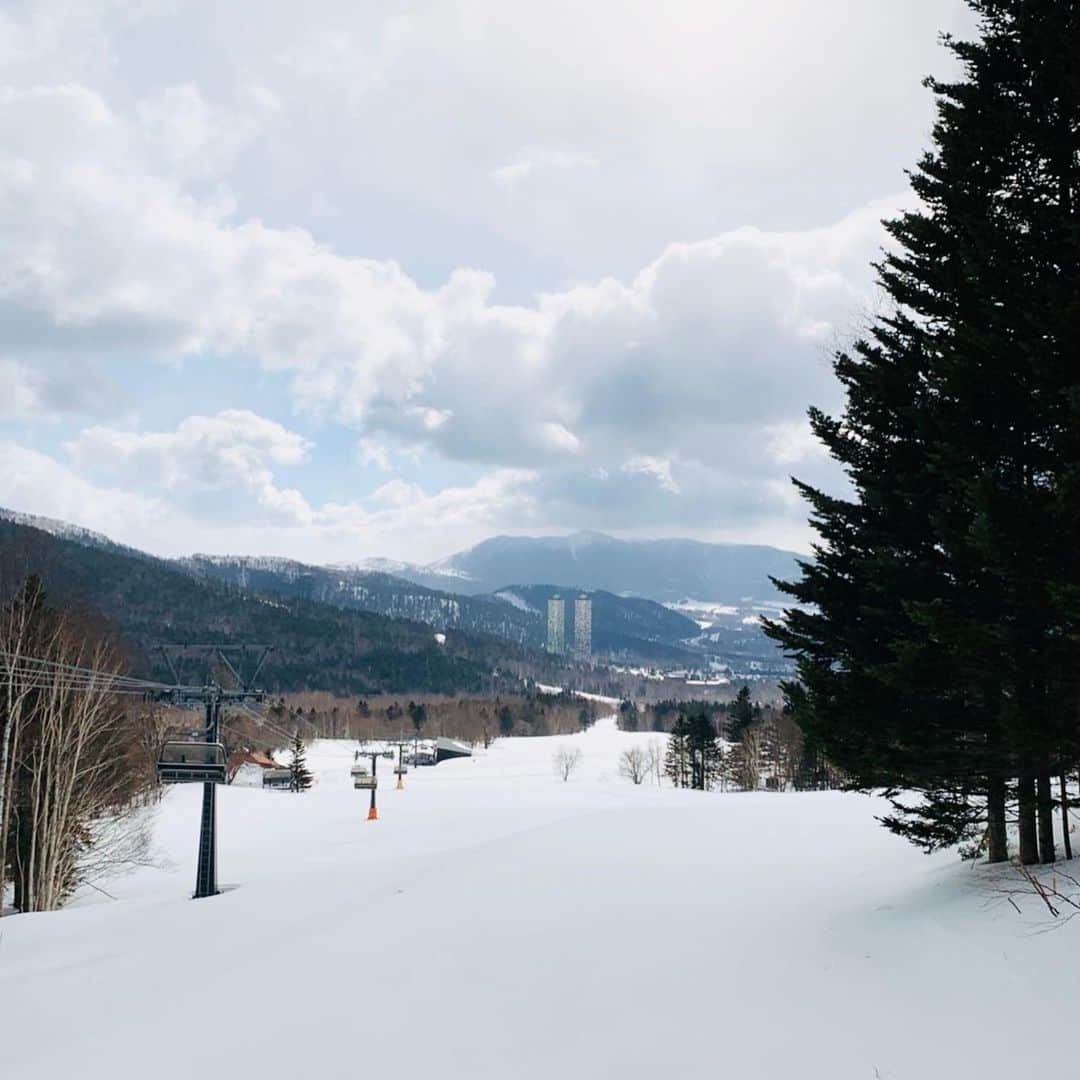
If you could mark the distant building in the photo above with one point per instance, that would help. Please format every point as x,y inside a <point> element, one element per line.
<point>583,628</point>
<point>247,768</point>
<point>451,748</point>
<point>556,628</point>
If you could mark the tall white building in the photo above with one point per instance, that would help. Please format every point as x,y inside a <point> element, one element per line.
<point>583,628</point>
<point>556,626</point>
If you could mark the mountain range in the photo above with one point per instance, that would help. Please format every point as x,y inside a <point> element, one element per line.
<point>667,571</point>
<point>148,601</point>
<point>496,592</point>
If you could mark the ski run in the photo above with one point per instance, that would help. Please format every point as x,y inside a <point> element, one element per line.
<point>497,921</point>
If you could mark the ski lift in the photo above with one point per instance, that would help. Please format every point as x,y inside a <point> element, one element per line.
<point>388,754</point>
<point>358,770</point>
<point>365,783</point>
<point>192,763</point>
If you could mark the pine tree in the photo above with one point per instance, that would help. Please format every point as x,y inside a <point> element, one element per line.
<point>418,716</point>
<point>742,713</point>
<point>705,756</point>
<point>506,721</point>
<point>677,755</point>
<point>945,596</point>
<point>300,778</point>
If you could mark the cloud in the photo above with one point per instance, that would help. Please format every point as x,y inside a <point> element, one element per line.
<point>192,137</point>
<point>692,376</point>
<point>658,468</point>
<point>38,484</point>
<point>540,159</point>
<point>399,519</point>
<point>578,367</point>
<point>54,388</point>
<point>216,463</point>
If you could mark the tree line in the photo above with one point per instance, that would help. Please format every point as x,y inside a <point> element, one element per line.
<point>938,633</point>
<point>741,745</point>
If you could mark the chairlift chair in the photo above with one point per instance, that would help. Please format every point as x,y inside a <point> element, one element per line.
<point>358,770</point>
<point>184,762</point>
<point>365,783</point>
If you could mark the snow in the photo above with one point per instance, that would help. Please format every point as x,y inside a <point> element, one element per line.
<point>514,600</point>
<point>496,922</point>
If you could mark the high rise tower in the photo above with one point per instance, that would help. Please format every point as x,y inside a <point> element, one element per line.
<point>583,628</point>
<point>556,625</point>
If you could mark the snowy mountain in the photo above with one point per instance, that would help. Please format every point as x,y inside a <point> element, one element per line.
<point>458,594</point>
<point>65,530</point>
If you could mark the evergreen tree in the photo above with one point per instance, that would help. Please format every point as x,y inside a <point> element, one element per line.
<point>705,756</point>
<point>677,755</point>
<point>945,595</point>
<point>506,721</point>
<point>418,716</point>
<point>742,713</point>
<point>300,778</point>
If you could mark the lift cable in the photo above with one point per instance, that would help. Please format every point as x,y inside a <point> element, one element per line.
<point>40,674</point>
<point>263,722</point>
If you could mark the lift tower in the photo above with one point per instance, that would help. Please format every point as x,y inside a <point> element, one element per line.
<point>211,695</point>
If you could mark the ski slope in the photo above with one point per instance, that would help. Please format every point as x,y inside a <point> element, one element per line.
<point>497,922</point>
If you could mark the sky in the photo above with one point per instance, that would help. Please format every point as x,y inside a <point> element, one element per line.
<point>349,279</point>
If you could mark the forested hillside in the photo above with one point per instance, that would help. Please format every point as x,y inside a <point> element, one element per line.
<point>621,626</point>
<point>317,646</point>
<point>367,590</point>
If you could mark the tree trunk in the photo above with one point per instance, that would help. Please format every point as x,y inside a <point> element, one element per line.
<point>1065,816</point>
<point>1045,799</point>
<point>997,838</point>
<point>1029,840</point>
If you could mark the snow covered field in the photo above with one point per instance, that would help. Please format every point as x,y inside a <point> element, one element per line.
<point>497,922</point>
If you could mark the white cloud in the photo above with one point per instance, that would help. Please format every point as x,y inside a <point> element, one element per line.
<point>696,362</point>
<point>153,197</point>
<point>220,463</point>
<point>402,519</point>
<point>658,468</point>
<point>37,484</point>
<point>195,138</point>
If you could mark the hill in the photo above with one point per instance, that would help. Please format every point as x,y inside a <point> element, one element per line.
<point>366,590</point>
<point>622,626</point>
<point>627,626</point>
<point>666,571</point>
<point>318,646</point>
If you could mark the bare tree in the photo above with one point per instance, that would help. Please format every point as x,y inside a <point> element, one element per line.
<point>655,754</point>
<point>20,637</point>
<point>747,759</point>
<point>75,767</point>
<point>634,764</point>
<point>566,760</point>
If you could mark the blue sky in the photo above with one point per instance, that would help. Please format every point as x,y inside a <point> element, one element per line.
<point>388,278</point>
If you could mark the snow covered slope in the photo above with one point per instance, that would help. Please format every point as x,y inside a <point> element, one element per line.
<point>499,923</point>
